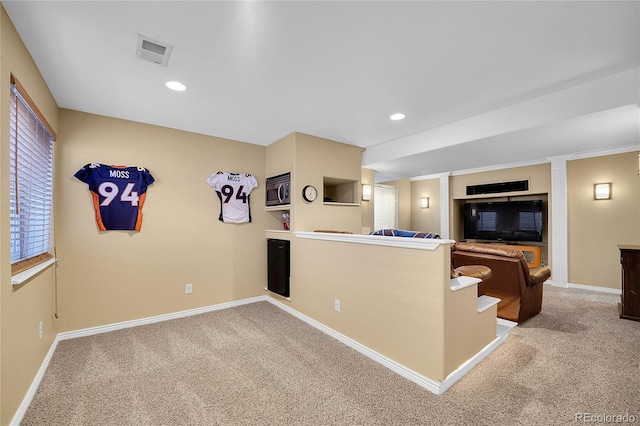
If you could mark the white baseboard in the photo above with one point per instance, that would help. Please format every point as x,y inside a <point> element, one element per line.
<point>503,328</point>
<point>598,289</point>
<point>31,392</point>
<point>433,386</point>
<point>159,318</point>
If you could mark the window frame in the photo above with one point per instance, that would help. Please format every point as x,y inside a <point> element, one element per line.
<point>24,100</point>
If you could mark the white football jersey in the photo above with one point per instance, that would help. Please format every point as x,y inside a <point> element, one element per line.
<point>233,190</point>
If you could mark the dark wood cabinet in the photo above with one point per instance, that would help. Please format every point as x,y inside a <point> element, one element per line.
<point>279,267</point>
<point>630,260</point>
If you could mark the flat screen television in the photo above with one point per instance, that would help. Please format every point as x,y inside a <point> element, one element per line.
<point>504,220</point>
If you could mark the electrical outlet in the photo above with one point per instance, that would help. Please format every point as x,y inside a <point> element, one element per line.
<point>41,329</point>
<point>336,305</point>
<point>188,289</point>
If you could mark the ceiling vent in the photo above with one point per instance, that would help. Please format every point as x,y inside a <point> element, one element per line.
<point>153,51</point>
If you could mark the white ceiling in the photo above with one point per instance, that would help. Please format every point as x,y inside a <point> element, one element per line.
<point>482,83</point>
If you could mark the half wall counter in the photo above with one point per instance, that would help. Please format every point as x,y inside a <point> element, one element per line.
<point>395,298</point>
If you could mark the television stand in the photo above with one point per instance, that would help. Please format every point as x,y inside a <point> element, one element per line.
<point>532,254</point>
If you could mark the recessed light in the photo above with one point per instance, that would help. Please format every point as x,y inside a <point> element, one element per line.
<point>176,85</point>
<point>397,116</point>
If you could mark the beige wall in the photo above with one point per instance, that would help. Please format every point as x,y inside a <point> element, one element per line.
<point>404,202</point>
<point>311,159</point>
<point>466,330</point>
<point>116,276</point>
<point>280,157</point>
<point>21,307</point>
<point>366,207</point>
<point>539,180</point>
<point>382,314</point>
<point>425,220</point>
<point>596,227</point>
<point>113,276</point>
<point>539,177</point>
<point>413,217</point>
<point>393,301</point>
<point>315,159</point>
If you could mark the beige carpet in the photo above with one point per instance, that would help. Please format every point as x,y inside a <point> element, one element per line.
<point>257,365</point>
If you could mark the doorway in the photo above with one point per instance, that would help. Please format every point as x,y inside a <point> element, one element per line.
<point>385,208</point>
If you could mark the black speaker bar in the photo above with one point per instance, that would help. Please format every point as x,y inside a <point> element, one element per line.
<point>497,188</point>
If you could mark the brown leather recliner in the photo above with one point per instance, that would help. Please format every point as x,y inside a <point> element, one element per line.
<point>518,286</point>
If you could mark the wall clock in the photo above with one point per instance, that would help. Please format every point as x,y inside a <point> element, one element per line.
<point>309,193</point>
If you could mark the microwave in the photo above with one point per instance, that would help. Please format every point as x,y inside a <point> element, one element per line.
<point>278,190</point>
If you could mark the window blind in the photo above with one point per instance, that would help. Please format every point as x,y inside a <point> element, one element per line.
<point>30,184</point>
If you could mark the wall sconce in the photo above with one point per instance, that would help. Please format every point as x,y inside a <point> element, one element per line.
<point>366,192</point>
<point>424,202</point>
<point>602,191</point>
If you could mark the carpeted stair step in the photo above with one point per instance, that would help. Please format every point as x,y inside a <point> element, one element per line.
<point>461,282</point>
<point>485,302</point>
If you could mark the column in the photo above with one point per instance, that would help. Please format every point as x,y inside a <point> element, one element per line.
<point>559,222</point>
